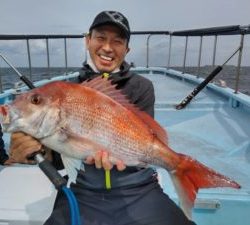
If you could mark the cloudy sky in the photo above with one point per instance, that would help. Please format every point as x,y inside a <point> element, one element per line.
<point>75,16</point>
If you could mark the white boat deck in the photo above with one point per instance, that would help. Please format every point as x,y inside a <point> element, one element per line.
<point>26,195</point>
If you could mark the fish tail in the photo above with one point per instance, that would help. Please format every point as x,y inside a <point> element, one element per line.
<point>190,175</point>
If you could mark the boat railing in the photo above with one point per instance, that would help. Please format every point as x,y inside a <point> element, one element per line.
<point>27,38</point>
<point>213,31</point>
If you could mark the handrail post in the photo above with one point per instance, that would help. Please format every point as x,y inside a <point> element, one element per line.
<point>1,82</point>
<point>199,57</point>
<point>48,60</point>
<point>185,55</point>
<point>86,55</point>
<point>169,50</point>
<point>215,48</point>
<point>239,64</point>
<point>65,55</point>
<point>29,58</point>
<point>85,48</point>
<point>148,50</point>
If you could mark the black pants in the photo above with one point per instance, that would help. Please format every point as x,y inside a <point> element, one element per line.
<point>144,205</point>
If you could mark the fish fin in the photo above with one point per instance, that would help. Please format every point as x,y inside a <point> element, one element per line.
<point>156,129</point>
<point>72,166</point>
<point>190,175</point>
<point>106,87</point>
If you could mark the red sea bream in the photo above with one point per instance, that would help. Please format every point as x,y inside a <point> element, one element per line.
<point>77,120</point>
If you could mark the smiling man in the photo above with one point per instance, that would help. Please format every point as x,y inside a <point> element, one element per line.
<point>107,47</point>
<point>107,41</point>
<point>124,195</point>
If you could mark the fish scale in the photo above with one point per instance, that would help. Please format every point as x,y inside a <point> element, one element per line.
<point>104,119</point>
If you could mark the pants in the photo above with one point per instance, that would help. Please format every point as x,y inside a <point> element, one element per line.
<point>144,205</point>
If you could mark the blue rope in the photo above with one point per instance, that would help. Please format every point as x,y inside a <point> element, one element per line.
<point>71,205</point>
<point>74,209</point>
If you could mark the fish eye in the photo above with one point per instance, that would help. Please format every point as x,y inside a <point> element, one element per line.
<point>36,99</point>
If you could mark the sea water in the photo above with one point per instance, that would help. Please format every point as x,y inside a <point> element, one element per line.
<point>227,77</point>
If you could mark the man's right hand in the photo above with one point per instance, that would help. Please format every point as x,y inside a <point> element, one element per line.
<point>22,146</point>
<point>101,160</point>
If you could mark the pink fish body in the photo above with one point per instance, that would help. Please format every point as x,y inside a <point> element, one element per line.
<point>77,120</point>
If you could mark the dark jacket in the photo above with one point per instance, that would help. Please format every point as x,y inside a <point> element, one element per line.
<point>140,91</point>
<point>3,155</point>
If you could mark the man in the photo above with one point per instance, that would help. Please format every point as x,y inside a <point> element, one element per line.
<point>135,196</point>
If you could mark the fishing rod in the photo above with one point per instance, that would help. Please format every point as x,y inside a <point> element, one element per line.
<point>48,169</point>
<point>204,83</point>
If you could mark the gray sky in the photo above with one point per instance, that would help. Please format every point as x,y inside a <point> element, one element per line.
<point>75,16</point>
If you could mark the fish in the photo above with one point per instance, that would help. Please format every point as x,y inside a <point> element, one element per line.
<point>77,120</point>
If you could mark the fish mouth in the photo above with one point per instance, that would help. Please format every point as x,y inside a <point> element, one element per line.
<point>7,117</point>
<point>4,115</point>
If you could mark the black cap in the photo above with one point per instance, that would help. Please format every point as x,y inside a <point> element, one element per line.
<point>112,17</point>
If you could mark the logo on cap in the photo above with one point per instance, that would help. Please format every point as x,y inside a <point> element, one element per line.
<point>116,17</point>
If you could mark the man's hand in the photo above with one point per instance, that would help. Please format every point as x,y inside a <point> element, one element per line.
<point>101,159</point>
<point>22,146</point>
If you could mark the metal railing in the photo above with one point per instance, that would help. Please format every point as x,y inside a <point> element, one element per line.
<point>214,31</point>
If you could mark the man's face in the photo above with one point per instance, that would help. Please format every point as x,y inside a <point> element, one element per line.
<point>107,47</point>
